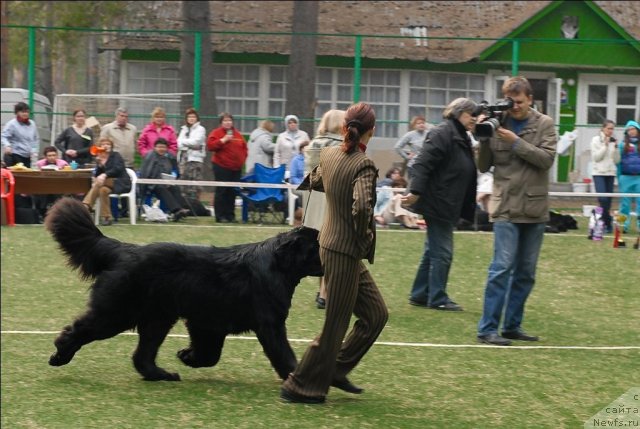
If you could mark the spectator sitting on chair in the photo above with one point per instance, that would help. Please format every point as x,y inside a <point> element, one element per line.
<point>52,162</point>
<point>296,169</point>
<point>110,177</point>
<point>156,163</point>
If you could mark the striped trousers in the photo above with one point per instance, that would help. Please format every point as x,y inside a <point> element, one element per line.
<point>350,290</point>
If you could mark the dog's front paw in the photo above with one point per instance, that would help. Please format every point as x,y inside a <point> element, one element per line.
<point>162,375</point>
<point>57,359</point>
<point>187,357</point>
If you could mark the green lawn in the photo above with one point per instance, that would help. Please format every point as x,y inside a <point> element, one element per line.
<point>426,371</point>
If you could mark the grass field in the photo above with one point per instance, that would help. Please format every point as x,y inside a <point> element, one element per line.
<point>426,371</point>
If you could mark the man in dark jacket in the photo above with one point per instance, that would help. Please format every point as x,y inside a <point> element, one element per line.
<point>159,162</point>
<point>443,190</point>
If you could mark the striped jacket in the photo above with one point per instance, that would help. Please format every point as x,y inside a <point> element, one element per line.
<point>349,182</point>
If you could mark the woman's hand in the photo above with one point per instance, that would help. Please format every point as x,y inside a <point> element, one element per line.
<point>409,199</point>
<point>72,153</point>
<point>100,179</point>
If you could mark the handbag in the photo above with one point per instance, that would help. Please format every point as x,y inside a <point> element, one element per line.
<point>154,214</point>
<point>313,216</point>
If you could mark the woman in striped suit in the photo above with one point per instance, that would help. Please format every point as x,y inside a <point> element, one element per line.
<point>347,236</point>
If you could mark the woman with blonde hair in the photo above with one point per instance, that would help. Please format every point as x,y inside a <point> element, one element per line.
<point>329,134</point>
<point>155,129</point>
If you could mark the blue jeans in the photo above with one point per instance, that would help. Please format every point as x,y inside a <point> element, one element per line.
<point>629,185</point>
<point>604,185</point>
<point>511,275</point>
<point>433,272</point>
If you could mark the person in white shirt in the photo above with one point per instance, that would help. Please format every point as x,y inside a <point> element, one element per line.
<point>603,167</point>
<point>191,152</point>
<point>288,142</point>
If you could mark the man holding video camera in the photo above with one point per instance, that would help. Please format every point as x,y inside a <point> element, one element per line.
<point>521,150</point>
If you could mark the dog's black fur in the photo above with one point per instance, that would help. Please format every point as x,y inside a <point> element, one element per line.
<point>217,290</point>
<point>560,223</point>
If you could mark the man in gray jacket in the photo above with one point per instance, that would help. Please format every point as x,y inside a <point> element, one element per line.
<point>522,151</point>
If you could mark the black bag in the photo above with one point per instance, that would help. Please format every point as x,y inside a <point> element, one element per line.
<point>27,215</point>
<point>196,207</point>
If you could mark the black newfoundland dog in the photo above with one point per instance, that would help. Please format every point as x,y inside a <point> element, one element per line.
<point>217,290</point>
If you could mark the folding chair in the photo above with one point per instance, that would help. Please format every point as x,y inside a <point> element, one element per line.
<point>131,196</point>
<point>8,186</point>
<point>260,203</point>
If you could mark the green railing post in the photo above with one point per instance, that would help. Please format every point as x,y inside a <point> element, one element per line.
<point>197,60</point>
<point>515,58</point>
<point>357,66</point>
<point>31,70</point>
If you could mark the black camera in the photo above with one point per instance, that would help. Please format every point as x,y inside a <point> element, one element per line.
<point>493,115</point>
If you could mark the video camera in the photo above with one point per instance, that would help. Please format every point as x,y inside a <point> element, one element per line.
<point>494,116</point>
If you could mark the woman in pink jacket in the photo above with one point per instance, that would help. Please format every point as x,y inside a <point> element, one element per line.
<point>155,129</point>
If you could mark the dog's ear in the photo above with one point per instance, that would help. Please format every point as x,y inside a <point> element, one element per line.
<point>299,251</point>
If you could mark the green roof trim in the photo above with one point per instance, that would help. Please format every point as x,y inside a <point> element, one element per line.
<point>544,12</point>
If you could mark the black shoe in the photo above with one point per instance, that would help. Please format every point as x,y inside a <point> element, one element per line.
<point>300,399</point>
<point>321,303</point>
<point>519,335</point>
<point>493,339</point>
<point>347,386</point>
<point>180,214</point>
<point>449,306</point>
<point>417,303</point>
<point>106,222</point>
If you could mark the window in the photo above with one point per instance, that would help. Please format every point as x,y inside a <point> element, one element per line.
<point>381,89</point>
<point>429,93</point>
<point>618,102</point>
<point>237,92</point>
<point>334,90</point>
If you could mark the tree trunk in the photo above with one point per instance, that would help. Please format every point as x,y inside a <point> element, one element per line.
<point>45,82</point>
<point>301,83</point>
<point>196,17</point>
<point>4,46</point>
<point>92,63</point>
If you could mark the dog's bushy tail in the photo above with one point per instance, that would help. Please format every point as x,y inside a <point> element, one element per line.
<point>88,250</point>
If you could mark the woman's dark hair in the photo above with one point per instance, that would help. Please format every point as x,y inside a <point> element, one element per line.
<point>358,120</point>
<point>48,149</point>
<point>607,122</point>
<point>391,171</point>
<point>191,111</point>
<point>20,107</point>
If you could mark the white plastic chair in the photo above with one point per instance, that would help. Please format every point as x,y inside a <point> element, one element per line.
<point>131,196</point>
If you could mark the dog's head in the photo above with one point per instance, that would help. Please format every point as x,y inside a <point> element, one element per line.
<point>299,252</point>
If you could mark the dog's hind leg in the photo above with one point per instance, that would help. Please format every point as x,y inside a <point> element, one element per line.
<point>277,348</point>
<point>151,335</point>
<point>86,329</point>
<point>205,348</point>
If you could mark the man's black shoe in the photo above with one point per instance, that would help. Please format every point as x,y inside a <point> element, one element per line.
<point>300,399</point>
<point>519,335</point>
<point>449,306</point>
<point>417,303</point>
<point>347,386</point>
<point>493,339</point>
